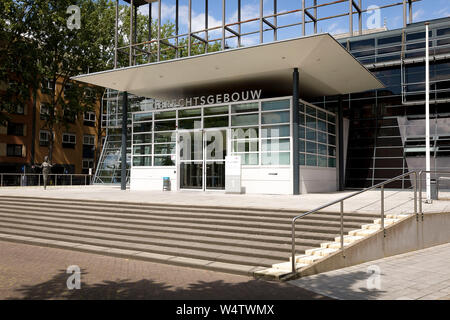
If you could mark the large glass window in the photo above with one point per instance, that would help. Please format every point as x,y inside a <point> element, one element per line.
<point>317,142</point>
<point>260,132</point>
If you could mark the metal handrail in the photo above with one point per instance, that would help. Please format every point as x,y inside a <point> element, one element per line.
<point>87,177</point>
<point>341,201</point>
<point>421,172</point>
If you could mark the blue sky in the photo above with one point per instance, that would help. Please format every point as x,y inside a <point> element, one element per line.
<point>392,18</point>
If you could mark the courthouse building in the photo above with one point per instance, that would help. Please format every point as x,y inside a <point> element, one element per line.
<point>313,113</point>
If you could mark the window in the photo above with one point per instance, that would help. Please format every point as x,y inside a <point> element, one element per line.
<point>89,139</point>
<point>317,143</point>
<point>15,129</point>
<point>69,140</point>
<point>89,118</point>
<point>44,111</point>
<point>70,116</point>
<point>46,85</point>
<point>68,89</point>
<point>14,150</point>
<point>88,164</point>
<point>44,138</point>
<point>89,93</point>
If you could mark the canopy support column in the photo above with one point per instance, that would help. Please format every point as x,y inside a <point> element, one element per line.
<point>340,162</point>
<point>295,123</point>
<point>123,173</point>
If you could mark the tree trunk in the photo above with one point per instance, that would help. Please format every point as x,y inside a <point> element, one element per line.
<point>50,146</point>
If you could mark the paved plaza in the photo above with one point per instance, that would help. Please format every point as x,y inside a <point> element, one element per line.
<point>419,275</point>
<point>33,272</point>
<point>396,202</point>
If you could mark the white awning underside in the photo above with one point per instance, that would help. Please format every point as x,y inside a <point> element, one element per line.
<point>325,68</point>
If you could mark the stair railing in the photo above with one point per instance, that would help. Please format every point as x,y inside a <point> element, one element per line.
<point>341,201</point>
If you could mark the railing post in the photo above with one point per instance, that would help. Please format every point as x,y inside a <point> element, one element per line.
<point>1,180</point>
<point>85,183</point>
<point>382,210</point>
<point>415,196</point>
<point>420,194</point>
<point>342,228</point>
<point>56,180</point>
<point>293,247</point>
<point>71,179</point>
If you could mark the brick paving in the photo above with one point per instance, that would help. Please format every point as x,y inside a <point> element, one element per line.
<point>33,272</point>
<point>419,275</point>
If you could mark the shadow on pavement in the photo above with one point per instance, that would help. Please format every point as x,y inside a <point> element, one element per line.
<point>56,288</point>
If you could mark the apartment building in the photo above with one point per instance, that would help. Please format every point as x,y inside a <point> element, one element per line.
<point>25,139</point>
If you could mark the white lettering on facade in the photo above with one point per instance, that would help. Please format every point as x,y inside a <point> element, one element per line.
<point>210,99</point>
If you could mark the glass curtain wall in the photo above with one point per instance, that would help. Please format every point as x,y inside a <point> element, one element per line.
<point>387,126</point>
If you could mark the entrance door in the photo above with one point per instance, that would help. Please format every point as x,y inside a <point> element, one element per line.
<point>215,142</point>
<point>201,155</point>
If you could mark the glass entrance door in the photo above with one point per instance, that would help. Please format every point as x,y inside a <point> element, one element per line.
<point>215,152</point>
<point>202,159</point>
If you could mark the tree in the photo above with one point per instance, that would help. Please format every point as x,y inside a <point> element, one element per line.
<point>18,55</point>
<point>36,44</point>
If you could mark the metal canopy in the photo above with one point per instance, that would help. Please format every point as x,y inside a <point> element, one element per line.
<point>326,68</point>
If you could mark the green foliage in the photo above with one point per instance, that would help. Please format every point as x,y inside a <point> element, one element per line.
<point>36,44</point>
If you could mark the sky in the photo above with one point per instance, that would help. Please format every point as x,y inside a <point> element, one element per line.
<point>391,18</point>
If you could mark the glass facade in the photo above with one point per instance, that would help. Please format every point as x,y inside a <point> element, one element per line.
<point>317,133</point>
<point>387,126</point>
<point>260,132</point>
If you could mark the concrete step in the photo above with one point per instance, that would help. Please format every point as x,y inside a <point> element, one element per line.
<point>240,240</point>
<point>214,239</point>
<point>137,213</point>
<point>274,255</point>
<point>348,239</point>
<point>172,207</point>
<point>138,247</point>
<point>324,228</point>
<point>362,232</point>
<point>163,231</point>
<point>138,255</point>
<point>248,228</point>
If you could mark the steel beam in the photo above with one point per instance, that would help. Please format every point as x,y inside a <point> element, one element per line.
<point>206,26</point>
<point>223,24</point>
<point>239,23</point>
<point>189,28</point>
<point>350,17</point>
<point>177,14</point>
<point>116,34</point>
<point>261,21</point>
<point>275,20</point>
<point>130,57</point>
<point>158,55</point>
<point>404,14</point>
<point>150,31</point>
<point>303,18</point>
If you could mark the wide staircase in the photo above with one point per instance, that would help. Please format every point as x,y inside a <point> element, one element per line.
<point>235,240</point>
